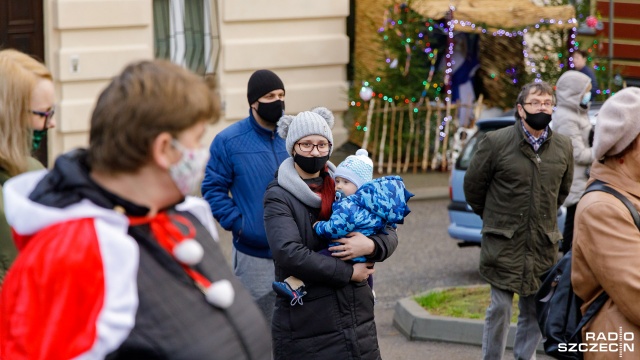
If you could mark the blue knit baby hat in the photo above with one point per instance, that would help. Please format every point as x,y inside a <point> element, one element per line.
<point>356,168</point>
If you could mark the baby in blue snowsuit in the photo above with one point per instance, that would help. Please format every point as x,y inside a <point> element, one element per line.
<point>362,205</point>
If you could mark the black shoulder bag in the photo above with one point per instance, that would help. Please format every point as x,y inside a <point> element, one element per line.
<point>558,307</point>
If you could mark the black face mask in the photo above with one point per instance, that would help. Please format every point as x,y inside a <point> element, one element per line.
<point>537,121</point>
<point>36,140</point>
<point>271,112</point>
<point>310,165</point>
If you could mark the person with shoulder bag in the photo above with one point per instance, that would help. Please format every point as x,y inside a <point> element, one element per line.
<point>559,309</point>
<point>606,249</point>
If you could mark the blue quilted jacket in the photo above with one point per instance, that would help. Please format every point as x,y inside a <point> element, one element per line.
<point>244,159</point>
<point>377,203</point>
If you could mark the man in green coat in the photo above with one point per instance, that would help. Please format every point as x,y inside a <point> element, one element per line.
<point>516,181</point>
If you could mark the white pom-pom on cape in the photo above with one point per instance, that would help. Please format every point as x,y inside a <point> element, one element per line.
<point>220,294</point>
<point>188,252</point>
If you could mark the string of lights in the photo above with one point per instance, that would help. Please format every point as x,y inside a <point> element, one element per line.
<point>448,27</point>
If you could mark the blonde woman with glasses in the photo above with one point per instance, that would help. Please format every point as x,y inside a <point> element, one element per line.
<point>26,112</point>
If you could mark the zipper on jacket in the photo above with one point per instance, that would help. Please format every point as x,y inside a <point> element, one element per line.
<point>273,149</point>
<point>538,158</point>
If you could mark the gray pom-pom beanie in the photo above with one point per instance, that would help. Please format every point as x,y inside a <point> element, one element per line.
<point>618,124</point>
<point>317,121</point>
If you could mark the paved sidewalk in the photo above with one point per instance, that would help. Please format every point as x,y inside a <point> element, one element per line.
<point>427,186</point>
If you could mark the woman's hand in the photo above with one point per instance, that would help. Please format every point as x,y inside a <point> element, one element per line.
<point>362,271</point>
<point>352,246</point>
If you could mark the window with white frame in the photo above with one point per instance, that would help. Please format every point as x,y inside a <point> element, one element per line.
<point>186,32</point>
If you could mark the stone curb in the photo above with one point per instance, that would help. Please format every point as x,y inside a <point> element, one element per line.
<point>416,323</point>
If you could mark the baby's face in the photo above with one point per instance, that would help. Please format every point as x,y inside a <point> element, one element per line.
<point>346,186</point>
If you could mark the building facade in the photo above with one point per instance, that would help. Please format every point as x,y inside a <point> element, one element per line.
<point>86,42</point>
<point>626,37</point>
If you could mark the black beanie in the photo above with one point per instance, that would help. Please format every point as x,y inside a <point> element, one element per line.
<point>261,83</point>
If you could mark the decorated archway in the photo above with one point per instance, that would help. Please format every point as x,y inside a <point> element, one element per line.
<point>415,71</point>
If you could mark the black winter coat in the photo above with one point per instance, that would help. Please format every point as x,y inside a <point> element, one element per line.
<point>336,320</point>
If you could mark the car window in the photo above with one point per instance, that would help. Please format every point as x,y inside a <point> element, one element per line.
<point>470,147</point>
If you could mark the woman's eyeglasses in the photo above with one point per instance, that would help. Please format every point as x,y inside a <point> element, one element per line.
<point>47,115</point>
<point>323,148</point>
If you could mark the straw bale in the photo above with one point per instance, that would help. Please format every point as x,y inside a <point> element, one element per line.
<point>499,53</point>
<point>494,14</point>
<point>368,52</point>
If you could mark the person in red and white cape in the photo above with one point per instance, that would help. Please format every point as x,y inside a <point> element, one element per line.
<point>116,261</point>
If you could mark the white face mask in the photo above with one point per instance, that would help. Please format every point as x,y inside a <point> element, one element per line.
<point>586,98</point>
<point>189,171</point>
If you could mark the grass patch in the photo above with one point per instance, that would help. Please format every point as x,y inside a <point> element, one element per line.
<point>462,302</point>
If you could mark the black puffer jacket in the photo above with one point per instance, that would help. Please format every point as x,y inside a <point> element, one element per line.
<point>336,320</point>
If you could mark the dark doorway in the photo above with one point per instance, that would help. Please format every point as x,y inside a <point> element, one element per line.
<point>21,28</point>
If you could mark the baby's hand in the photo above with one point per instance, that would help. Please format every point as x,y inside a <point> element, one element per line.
<point>362,271</point>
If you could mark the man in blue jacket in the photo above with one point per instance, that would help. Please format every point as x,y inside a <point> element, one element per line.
<point>244,159</point>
